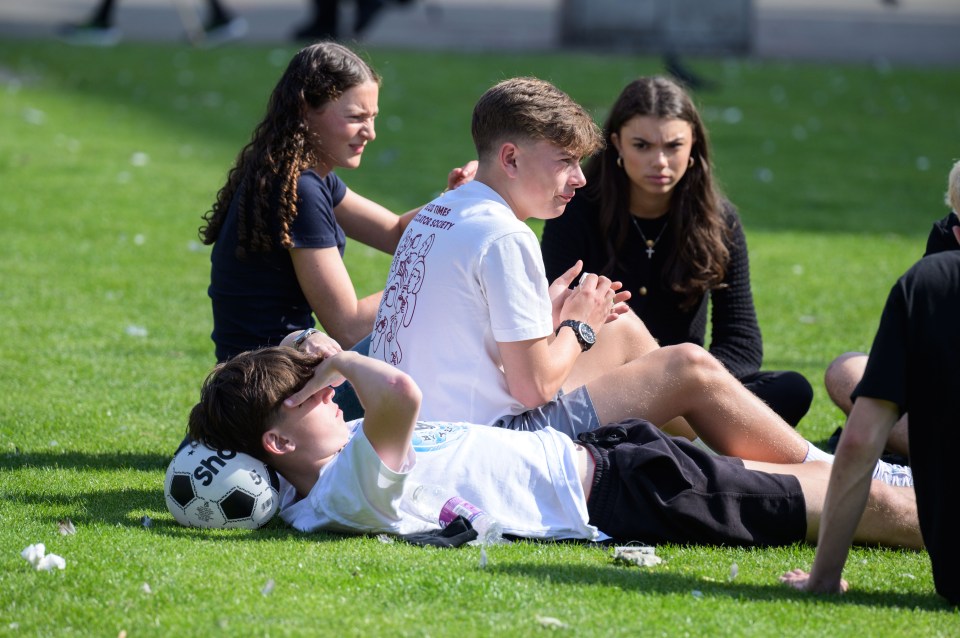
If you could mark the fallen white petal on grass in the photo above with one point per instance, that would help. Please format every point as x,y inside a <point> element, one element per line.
<point>386,539</point>
<point>483,557</point>
<point>36,555</point>
<point>268,587</point>
<point>734,570</point>
<point>136,331</point>
<point>34,116</point>
<point>639,555</point>
<point>145,588</point>
<point>51,561</point>
<point>696,593</point>
<point>65,525</point>
<point>33,553</point>
<point>550,622</point>
<point>139,159</point>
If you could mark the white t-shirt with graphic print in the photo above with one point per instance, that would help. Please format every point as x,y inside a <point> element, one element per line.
<point>466,274</point>
<point>528,481</point>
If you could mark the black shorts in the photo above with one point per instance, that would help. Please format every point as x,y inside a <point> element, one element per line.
<point>654,488</point>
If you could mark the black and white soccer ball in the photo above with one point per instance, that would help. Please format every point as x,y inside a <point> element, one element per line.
<point>220,488</point>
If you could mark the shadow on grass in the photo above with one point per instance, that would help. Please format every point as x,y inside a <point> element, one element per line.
<point>85,461</point>
<point>657,582</point>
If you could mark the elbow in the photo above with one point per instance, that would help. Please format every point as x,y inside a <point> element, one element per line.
<point>532,395</point>
<point>403,390</point>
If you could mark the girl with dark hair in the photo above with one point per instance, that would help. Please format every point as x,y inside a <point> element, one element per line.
<point>280,223</point>
<point>652,217</point>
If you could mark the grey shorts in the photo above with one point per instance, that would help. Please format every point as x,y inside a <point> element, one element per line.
<point>571,414</point>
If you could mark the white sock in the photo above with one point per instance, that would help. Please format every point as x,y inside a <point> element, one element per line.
<point>816,454</point>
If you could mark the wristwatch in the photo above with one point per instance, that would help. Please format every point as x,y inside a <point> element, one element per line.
<point>585,334</point>
<point>303,336</point>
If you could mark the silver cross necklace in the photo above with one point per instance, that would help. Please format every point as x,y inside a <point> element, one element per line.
<point>649,242</point>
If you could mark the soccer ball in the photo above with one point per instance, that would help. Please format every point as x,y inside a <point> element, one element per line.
<point>219,488</point>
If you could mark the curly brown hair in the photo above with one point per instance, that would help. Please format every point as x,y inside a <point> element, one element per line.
<point>696,217</point>
<point>264,178</point>
<point>240,397</point>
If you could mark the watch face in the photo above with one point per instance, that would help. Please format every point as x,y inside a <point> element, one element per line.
<point>586,333</point>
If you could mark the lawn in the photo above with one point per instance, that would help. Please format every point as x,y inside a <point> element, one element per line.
<point>108,158</point>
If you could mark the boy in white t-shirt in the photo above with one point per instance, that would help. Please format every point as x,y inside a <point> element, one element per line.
<point>276,404</point>
<point>467,311</point>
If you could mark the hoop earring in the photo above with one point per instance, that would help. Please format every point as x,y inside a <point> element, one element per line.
<point>690,163</point>
<point>620,161</point>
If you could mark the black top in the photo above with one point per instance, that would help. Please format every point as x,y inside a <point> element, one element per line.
<point>735,338</point>
<point>941,235</point>
<point>257,301</point>
<point>915,363</point>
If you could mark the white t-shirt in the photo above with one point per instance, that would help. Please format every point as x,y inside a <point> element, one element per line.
<point>466,274</point>
<point>527,481</point>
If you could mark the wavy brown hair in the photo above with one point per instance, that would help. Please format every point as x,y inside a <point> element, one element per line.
<point>240,397</point>
<point>264,177</point>
<point>696,218</point>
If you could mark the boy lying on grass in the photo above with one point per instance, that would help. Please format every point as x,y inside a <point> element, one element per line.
<point>628,481</point>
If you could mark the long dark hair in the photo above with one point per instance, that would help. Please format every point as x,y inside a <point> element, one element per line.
<point>265,174</point>
<point>695,219</point>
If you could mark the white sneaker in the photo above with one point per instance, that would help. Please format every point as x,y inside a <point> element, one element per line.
<point>895,475</point>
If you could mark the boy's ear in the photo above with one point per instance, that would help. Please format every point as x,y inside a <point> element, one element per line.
<point>508,158</point>
<point>275,443</point>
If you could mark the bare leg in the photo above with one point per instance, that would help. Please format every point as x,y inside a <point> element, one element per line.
<point>842,376</point>
<point>841,379</point>
<point>890,517</point>
<point>621,342</point>
<point>686,381</point>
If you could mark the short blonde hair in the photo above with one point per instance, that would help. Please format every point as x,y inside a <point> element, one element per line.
<point>952,197</point>
<point>526,108</point>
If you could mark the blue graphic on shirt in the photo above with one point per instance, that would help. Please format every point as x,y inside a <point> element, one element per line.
<point>436,435</point>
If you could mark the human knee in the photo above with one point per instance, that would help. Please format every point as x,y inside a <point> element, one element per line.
<point>842,376</point>
<point>689,360</point>
<point>633,334</point>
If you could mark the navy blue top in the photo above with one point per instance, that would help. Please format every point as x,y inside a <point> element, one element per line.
<point>257,300</point>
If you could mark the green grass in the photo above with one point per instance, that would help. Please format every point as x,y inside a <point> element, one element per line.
<point>109,158</point>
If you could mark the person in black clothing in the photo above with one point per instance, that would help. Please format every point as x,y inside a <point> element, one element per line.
<point>99,30</point>
<point>913,367</point>
<point>652,218</point>
<point>844,373</point>
<point>324,23</point>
